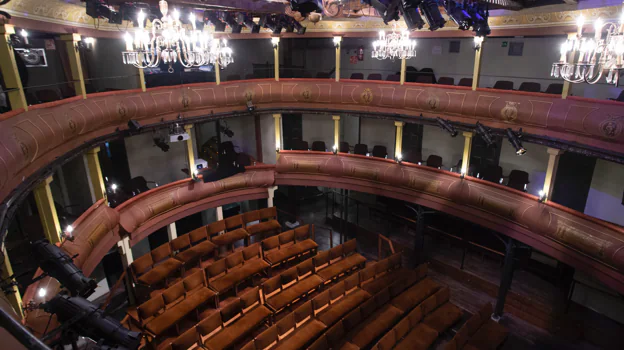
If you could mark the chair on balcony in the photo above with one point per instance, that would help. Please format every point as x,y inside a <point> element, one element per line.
<point>374,76</point>
<point>530,87</point>
<point>393,77</point>
<point>412,157</point>
<point>446,81</point>
<point>319,146</point>
<point>425,79</point>
<point>359,76</point>
<point>492,173</point>
<point>380,151</point>
<point>233,77</point>
<point>434,161</point>
<point>555,89</point>
<point>503,85</point>
<point>300,145</point>
<point>518,180</point>
<point>465,82</point>
<point>344,147</point>
<point>360,149</point>
<point>323,75</point>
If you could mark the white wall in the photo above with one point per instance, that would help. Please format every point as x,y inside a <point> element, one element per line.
<point>604,200</point>
<point>349,129</point>
<point>438,142</point>
<point>378,132</point>
<point>534,162</point>
<point>149,161</point>
<point>268,138</point>
<point>444,64</point>
<point>318,127</point>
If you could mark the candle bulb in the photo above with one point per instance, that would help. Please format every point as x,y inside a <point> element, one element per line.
<point>580,21</point>
<point>598,28</point>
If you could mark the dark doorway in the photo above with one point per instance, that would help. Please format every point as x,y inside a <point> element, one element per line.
<point>482,155</point>
<point>574,176</point>
<point>292,126</point>
<point>412,142</point>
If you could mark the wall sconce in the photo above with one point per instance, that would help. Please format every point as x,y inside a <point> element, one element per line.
<point>195,175</point>
<point>335,149</point>
<point>24,35</point>
<point>20,40</point>
<point>399,158</point>
<point>275,42</point>
<point>462,174</point>
<point>84,45</point>
<point>478,41</point>
<point>337,40</point>
<point>541,196</point>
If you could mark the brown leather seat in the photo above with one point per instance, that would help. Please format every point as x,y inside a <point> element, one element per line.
<point>338,310</point>
<point>235,268</point>
<point>289,244</point>
<point>341,259</point>
<point>416,294</point>
<point>230,238</point>
<point>267,222</point>
<point>286,296</point>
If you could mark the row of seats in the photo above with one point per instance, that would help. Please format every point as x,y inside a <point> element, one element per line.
<point>479,332</point>
<point>299,281</point>
<point>200,246</point>
<point>227,327</point>
<point>324,310</point>
<point>290,245</point>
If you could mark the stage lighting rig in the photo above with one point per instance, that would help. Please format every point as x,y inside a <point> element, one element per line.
<point>290,24</point>
<point>228,18</point>
<point>458,14</point>
<point>480,14</point>
<point>99,9</point>
<point>431,11</point>
<point>56,263</point>
<point>247,20</point>
<point>409,9</point>
<point>446,125</point>
<point>514,140</point>
<point>212,17</point>
<point>485,134</point>
<point>305,7</point>
<point>272,22</point>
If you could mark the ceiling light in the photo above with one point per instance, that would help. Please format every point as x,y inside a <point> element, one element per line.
<point>485,134</point>
<point>446,125</point>
<point>394,46</point>
<point>42,292</point>
<point>337,40</point>
<point>431,11</point>
<point>275,41</point>
<point>514,140</point>
<point>478,41</point>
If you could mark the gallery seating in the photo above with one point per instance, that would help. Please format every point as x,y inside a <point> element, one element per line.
<point>360,149</point>
<point>503,85</point>
<point>293,244</point>
<point>479,332</point>
<point>380,151</point>
<point>344,147</point>
<point>176,302</point>
<point>155,268</point>
<point>518,179</point>
<point>291,285</point>
<point>319,146</point>
<point>465,82</point>
<point>358,76</point>
<point>530,87</point>
<point>374,76</point>
<point>337,261</point>
<point>190,254</point>
<point>555,89</point>
<point>446,81</point>
<point>266,222</point>
<point>434,161</point>
<point>393,77</point>
<point>383,273</point>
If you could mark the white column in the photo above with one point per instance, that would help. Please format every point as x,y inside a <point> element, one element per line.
<point>271,195</point>
<point>172,232</point>
<point>125,251</point>
<point>551,170</point>
<point>219,213</point>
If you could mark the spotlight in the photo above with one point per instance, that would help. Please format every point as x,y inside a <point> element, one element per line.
<point>272,22</point>
<point>409,9</point>
<point>134,125</point>
<point>24,35</point>
<point>306,6</point>
<point>462,174</point>
<point>160,143</point>
<point>446,125</point>
<point>56,263</point>
<point>479,14</point>
<point>514,140</point>
<point>213,18</point>
<point>228,18</point>
<point>431,11</point>
<point>114,187</point>
<point>478,41</point>
<point>69,229</point>
<point>275,42</point>
<point>246,20</point>
<point>99,9</point>
<point>399,158</point>
<point>485,134</point>
<point>250,106</point>
<point>337,40</point>
<point>458,14</point>
<point>291,25</point>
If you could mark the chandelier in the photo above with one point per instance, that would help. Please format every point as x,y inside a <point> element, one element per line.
<point>586,59</point>
<point>169,42</point>
<point>394,45</point>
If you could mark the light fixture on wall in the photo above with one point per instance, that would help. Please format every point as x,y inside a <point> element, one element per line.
<point>24,35</point>
<point>478,41</point>
<point>514,140</point>
<point>399,158</point>
<point>462,174</point>
<point>446,125</point>
<point>85,44</point>
<point>335,149</point>
<point>587,60</point>
<point>337,40</point>
<point>275,41</point>
<point>541,196</point>
<point>394,46</point>
<point>485,134</point>
<point>170,42</point>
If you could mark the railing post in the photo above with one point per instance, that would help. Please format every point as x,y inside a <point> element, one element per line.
<point>477,67</point>
<point>467,150</point>
<point>271,191</point>
<point>47,211</point>
<point>275,41</point>
<point>10,73</point>
<point>398,148</point>
<point>336,119</point>
<point>73,55</point>
<point>551,170</point>
<point>14,296</point>
<point>94,172</point>
<point>190,151</point>
<point>337,42</point>
<point>277,118</point>
<point>219,213</point>
<point>403,68</point>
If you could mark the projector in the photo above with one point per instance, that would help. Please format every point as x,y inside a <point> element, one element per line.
<point>179,137</point>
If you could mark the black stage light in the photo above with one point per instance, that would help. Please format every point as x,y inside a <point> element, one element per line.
<point>84,318</point>
<point>272,22</point>
<point>250,106</point>
<point>430,10</point>
<point>479,14</point>
<point>99,9</point>
<point>409,9</point>
<point>446,125</point>
<point>56,263</point>
<point>514,140</point>
<point>290,24</point>
<point>247,20</point>
<point>387,9</point>
<point>228,18</point>
<point>485,134</point>
<point>134,125</point>
<point>458,14</point>
<point>306,6</point>
<point>212,17</point>
<point>161,143</point>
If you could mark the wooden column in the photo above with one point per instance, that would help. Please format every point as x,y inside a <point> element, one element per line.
<point>142,80</point>
<point>271,196</point>
<point>172,231</point>
<point>276,56</point>
<point>337,42</point>
<point>217,68</point>
<point>14,298</point>
<point>477,68</point>
<point>190,152</point>
<point>398,148</point>
<point>75,65</point>
<point>403,68</point>
<point>12,80</point>
<point>277,118</point>
<point>219,213</point>
<point>551,170</point>
<point>467,149</point>
<point>47,211</point>
<point>336,119</point>
<point>96,180</point>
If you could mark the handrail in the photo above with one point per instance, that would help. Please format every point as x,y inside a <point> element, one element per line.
<point>381,238</point>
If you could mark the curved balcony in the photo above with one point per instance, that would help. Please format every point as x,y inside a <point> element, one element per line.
<point>50,132</point>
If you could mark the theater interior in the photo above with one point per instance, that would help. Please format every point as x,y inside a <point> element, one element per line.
<point>311,174</point>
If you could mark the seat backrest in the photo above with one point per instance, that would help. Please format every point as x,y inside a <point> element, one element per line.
<point>434,161</point>
<point>349,247</point>
<point>352,282</point>
<point>446,81</point>
<point>252,252</point>
<point>231,310</point>
<point>503,85</point>
<point>234,222</point>
<point>374,76</point>
<point>186,340</point>
<point>556,89</point>
<point>492,173</point>
<point>286,237</point>
<point>320,259</point>
<point>270,243</point>
<point>319,146</point>
<point>303,232</point>
<point>210,323</point>
<point>335,252</point>
<point>380,151</point>
<point>251,216</point>
<point>357,76</point>
<point>289,276</point>
<point>393,77</point>
<point>305,268</point>
<point>266,338</point>
<point>174,293</point>
<point>198,235</point>
<point>271,285</point>
<point>142,265</point>
<point>161,253</point>
<point>517,179</point>
<point>412,156</point>
<point>360,149</point>
<point>151,307</point>
<point>216,269</point>
<point>251,298</point>
<point>215,227</point>
<point>303,312</point>
<point>181,243</point>
<point>530,87</point>
<point>465,82</point>
<point>268,213</point>
<point>425,79</point>
<point>344,147</point>
<point>194,281</point>
<point>234,260</point>
<point>285,325</point>
<point>368,273</point>
<point>321,300</point>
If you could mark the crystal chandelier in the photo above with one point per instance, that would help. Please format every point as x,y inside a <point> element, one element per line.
<point>394,45</point>
<point>169,42</point>
<point>586,60</point>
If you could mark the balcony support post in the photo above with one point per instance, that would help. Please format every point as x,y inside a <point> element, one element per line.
<point>10,73</point>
